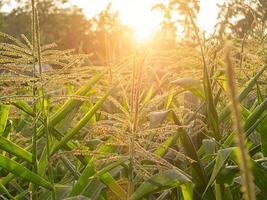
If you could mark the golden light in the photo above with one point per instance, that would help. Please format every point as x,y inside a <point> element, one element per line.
<point>138,15</point>
<point>135,13</point>
<point>143,25</point>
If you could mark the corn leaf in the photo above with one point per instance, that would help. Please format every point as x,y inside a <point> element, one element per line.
<point>81,183</point>
<point>4,110</point>
<point>109,181</point>
<point>80,124</point>
<point>192,85</point>
<point>14,149</point>
<point>24,173</point>
<point>221,157</point>
<point>226,111</point>
<point>164,180</point>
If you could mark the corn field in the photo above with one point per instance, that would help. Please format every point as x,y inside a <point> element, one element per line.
<point>188,123</point>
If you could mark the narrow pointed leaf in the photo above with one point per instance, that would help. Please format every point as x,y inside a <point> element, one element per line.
<point>210,104</point>
<point>80,124</point>
<point>4,110</point>
<point>226,111</point>
<point>14,149</point>
<point>165,180</point>
<point>71,104</point>
<point>81,183</point>
<point>109,181</point>
<point>24,173</point>
<point>191,85</point>
<point>221,157</point>
<point>156,118</point>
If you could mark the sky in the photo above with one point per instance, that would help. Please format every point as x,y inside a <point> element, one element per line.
<point>138,14</point>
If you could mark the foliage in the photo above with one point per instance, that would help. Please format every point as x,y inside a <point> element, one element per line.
<point>175,21</point>
<point>152,125</point>
<point>242,17</point>
<point>102,35</point>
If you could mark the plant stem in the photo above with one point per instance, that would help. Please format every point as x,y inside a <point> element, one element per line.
<point>35,118</point>
<point>243,158</point>
<point>211,108</point>
<point>44,103</point>
<point>136,88</point>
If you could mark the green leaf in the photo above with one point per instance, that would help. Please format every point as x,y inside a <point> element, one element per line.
<point>209,146</point>
<point>198,173</point>
<point>108,168</point>
<point>109,181</point>
<point>148,96</point>
<point>22,172</point>
<point>257,112</point>
<point>227,174</point>
<point>72,103</point>
<point>169,98</point>
<point>255,120</point>
<point>94,189</point>
<point>22,105</point>
<point>156,118</point>
<point>262,129</point>
<point>222,156</point>
<point>192,85</point>
<point>81,183</point>
<point>22,195</point>
<point>4,110</point>
<point>79,197</point>
<point>262,126</point>
<point>259,172</point>
<point>260,176</point>
<point>163,195</point>
<point>162,149</point>
<point>187,191</point>
<point>14,149</point>
<point>226,111</point>
<point>210,104</point>
<point>80,124</point>
<point>5,191</point>
<point>165,180</point>
<point>102,177</point>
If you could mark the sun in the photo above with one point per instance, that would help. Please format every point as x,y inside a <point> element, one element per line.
<point>142,26</point>
<point>138,15</point>
<point>143,21</point>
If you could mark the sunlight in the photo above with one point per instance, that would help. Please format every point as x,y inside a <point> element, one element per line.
<point>133,99</point>
<point>138,15</point>
<point>142,25</point>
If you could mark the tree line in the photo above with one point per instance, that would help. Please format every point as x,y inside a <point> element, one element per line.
<point>104,37</point>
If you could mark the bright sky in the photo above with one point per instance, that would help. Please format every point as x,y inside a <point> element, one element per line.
<point>137,13</point>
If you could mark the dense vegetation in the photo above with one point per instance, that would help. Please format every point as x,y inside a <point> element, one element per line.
<point>172,119</point>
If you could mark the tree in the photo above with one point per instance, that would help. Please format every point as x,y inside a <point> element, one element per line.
<point>241,17</point>
<point>2,3</point>
<point>168,31</point>
<point>109,37</point>
<point>176,19</point>
<point>52,18</point>
<point>104,38</point>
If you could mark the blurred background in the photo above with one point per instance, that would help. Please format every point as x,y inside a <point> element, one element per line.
<point>110,30</point>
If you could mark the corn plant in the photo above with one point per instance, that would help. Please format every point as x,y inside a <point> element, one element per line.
<point>156,125</point>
